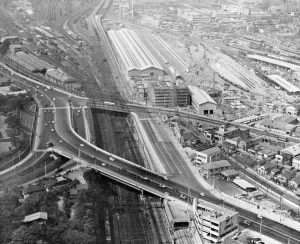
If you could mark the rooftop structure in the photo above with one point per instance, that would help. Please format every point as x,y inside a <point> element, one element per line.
<point>57,76</point>
<point>284,83</point>
<point>214,222</point>
<point>35,216</point>
<point>216,165</point>
<point>245,185</point>
<point>275,62</point>
<point>177,215</point>
<point>133,53</point>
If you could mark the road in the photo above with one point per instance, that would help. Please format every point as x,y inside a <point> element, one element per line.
<point>71,145</point>
<point>120,169</point>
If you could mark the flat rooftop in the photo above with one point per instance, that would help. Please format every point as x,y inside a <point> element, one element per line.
<point>206,209</point>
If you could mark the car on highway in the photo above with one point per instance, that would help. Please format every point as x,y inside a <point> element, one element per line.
<point>54,98</point>
<point>259,216</point>
<point>162,186</point>
<point>103,164</point>
<point>165,177</point>
<point>145,178</point>
<point>60,141</point>
<point>183,196</point>
<point>202,194</point>
<point>52,129</point>
<point>111,158</point>
<point>82,145</point>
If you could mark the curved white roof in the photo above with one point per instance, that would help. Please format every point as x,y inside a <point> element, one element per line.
<point>200,96</point>
<point>132,51</point>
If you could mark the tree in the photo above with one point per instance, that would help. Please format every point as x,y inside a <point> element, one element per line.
<point>78,237</point>
<point>27,235</point>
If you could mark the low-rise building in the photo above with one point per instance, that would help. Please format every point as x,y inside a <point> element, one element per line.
<point>184,135</point>
<point>229,174</point>
<point>266,168</point>
<point>202,102</point>
<point>245,185</point>
<point>214,223</point>
<point>293,109</point>
<point>214,168</point>
<point>296,162</point>
<point>225,133</point>
<point>287,176</point>
<point>295,182</point>
<point>209,155</point>
<point>40,217</point>
<point>277,126</point>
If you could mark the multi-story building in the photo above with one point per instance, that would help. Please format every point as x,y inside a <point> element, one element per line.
<point>214,223</point>
<point>167,95</point>
<point>225,133</point>
<point>208,155</point>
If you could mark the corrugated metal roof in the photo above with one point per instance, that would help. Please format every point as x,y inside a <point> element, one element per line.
<point>211,150</point>
<point>243,184</point>
<point>283,83</point>
<point>200,95</point>
<point>275,61</point>
<point>132,51</point>
<point>229,172</point>
<point>278,125</point>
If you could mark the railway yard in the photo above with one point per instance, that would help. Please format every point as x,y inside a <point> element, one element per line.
<point>73,39</point>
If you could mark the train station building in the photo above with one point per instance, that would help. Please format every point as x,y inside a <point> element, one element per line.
<point>133,55</point>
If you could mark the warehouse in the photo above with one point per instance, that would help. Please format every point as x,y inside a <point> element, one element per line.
<point>284,84</point>
<point>28,63</point>
<point>202,102</point>
<point>135,58</point>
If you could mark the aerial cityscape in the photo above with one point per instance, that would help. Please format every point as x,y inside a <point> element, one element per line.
<point>149,121</point>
